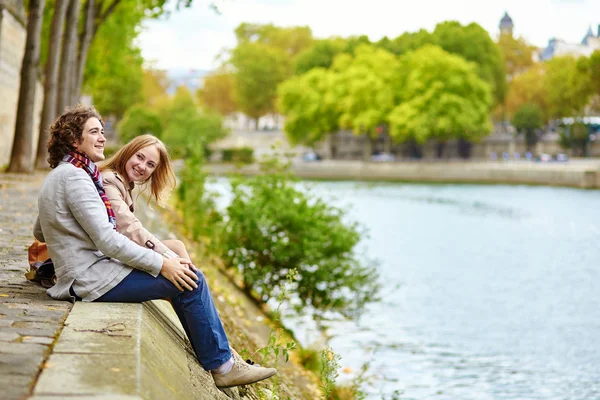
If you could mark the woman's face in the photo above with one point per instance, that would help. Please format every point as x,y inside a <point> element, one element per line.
<point>142,164</point>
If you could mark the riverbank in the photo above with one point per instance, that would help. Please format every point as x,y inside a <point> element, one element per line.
<point>52,348</point>
<point>583,174</point>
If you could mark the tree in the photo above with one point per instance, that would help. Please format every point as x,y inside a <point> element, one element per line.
<point>259,70</point>
<point>527,120</point>
<point>591,67</point>
<point>49,109</point>
<point>473,43</point>
<point>365,89</point>
<point>442,98</point>
<point>320,55</point>
<point>139,120</point>
<point>68,70</point>
<point>218,94</point>
<point>309,105</point>
<point>114,74</point>
<point>517,54</point>
<point>154,85</point>
<point>185,127</point>
<point>527,88</point>
<point>85,38</point>
<point>21,155</point>
<point>568,87</point>
<point>291,41</point>
<point>406,42</point>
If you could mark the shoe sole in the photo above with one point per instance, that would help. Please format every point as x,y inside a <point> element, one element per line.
<point>249,383</point>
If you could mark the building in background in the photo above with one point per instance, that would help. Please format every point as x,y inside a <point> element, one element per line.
<point>506,25</point>
<point>558,47</point>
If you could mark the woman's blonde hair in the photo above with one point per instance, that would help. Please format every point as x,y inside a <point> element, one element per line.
<point>162,180</point>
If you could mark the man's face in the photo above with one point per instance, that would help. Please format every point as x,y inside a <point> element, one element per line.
<point>92,140</point>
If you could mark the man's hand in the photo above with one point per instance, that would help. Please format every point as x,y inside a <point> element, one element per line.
<point>177,270</point>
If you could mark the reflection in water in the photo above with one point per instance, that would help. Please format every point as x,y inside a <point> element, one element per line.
<point>491,292</point>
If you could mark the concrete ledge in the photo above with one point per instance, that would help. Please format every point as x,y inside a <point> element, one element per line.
<point>123,351</point>
<point>578,174</point>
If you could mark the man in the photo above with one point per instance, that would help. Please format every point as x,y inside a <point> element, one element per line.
<point>93,262</point>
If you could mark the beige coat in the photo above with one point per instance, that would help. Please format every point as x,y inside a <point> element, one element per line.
<point>122,203</point>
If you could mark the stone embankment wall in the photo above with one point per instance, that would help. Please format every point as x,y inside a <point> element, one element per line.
<point>580,174</point>
<point>12,47</point>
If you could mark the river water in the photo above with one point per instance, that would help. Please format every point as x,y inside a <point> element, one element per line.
<point>489,292</point>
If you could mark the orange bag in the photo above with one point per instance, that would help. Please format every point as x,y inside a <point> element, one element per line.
<point>41,268</point>
<point>38,252</point>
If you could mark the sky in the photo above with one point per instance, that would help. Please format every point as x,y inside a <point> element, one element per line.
<point>193,38</point>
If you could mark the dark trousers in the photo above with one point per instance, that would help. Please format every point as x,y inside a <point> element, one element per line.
<point>195,309</point>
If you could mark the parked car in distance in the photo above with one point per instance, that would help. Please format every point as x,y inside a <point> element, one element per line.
<point>383,157</point>
<point>544,158</point>
<point>561,157</point>
<point>310,156</point>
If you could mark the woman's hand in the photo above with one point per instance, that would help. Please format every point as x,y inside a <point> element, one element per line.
<point>178,271</point>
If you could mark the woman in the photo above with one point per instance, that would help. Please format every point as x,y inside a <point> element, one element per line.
<point>143,160</point>
<point>94,262</point>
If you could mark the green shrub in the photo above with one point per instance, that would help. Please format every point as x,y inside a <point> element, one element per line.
<point>197,205</point>
<point>273,227</point>
<point>310,359</point>
<point>244,155</point>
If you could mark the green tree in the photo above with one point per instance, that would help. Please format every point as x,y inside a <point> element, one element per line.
<point>259,70</point>
<point>365,89</point>
<point>114,74</point>
<point>217,93</point>
<point>406,42</point>
<point>517,54</point>
<point>154,85</point>
<point>568,87</point>
<point>442,98</point>
<point>575,136</point>
<point>320,55</point>
<point>591,67</point>
<point>526,88</point>
<point>309,105</point>
<point>527,120</point>
<point>291,41</point>
<point>185,126</point>
<point>139,120</point>
<point>473,43</point>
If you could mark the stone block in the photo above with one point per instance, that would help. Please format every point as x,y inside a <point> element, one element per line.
<point>14,387</point>
<point>88,374</point>
<point>147,359</point>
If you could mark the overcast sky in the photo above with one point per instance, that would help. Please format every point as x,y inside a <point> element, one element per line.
<point>192,38</point>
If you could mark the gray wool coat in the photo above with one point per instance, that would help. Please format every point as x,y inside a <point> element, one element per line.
<point>88,254</point>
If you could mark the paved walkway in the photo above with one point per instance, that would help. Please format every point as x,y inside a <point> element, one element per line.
<point>29,319</point>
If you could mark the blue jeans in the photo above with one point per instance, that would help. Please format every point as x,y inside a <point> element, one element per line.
<point>195,309</point>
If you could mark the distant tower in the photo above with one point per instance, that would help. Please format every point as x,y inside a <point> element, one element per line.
<point>506,25</point>
<point>589,34</point>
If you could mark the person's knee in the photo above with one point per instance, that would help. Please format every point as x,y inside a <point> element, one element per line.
<point>180,246</point>
<point>176,245</point>
<point>201,279</point>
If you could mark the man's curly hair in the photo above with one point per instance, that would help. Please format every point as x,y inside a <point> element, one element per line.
<point>67,130</point>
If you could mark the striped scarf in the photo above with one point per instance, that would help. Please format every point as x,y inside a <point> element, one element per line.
<point>82,161</point>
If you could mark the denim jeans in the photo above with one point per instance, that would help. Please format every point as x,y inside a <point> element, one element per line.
<point>195,309</point>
